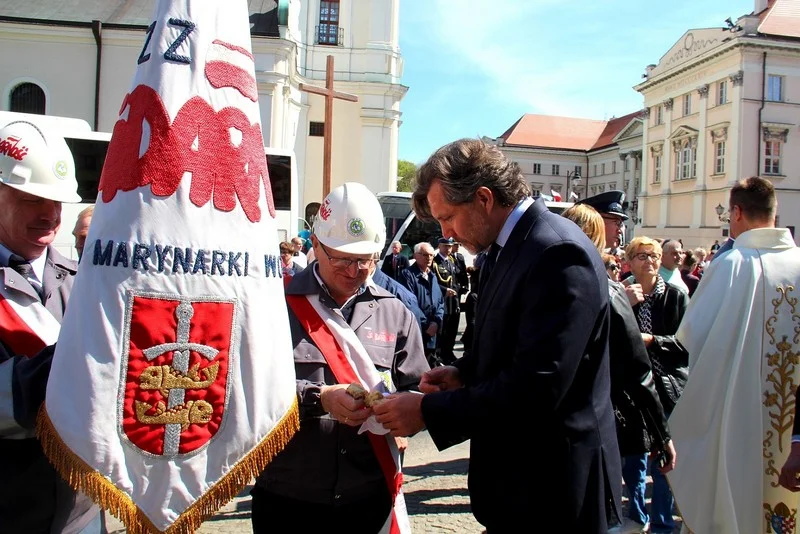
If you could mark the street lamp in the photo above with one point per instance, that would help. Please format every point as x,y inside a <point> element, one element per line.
<point>573,179</point>
<point>720,209</point>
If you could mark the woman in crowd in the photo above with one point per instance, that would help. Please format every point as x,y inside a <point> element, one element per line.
<point>288,265</point>
<point>659,308</point>
<point>687,272</point>
<point>641,424</point>
<point>612,266</point>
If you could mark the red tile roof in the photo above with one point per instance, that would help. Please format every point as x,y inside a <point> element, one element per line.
<point>782,18</point>
<point>566,133</point>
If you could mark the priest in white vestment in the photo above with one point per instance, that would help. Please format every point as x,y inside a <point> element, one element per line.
<point>733,423</point>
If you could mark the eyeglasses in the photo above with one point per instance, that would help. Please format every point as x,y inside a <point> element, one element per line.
<point>644,256</point>
<point>345,263</point>
<point>617,221</point>
<point>613,267</point>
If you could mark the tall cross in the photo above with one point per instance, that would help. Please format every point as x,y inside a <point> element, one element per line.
<point>329,95</point>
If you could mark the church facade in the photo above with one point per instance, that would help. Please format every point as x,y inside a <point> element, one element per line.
<point>78,59</point>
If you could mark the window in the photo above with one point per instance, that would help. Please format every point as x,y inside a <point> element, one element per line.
<point>602,168</point>
<point>614,167</point>
<point>627,164</point>
<point>329,32</point>
<point>578,171</point>
<point>722,92</point>
<point>27,98</point>
<point>537,168</point>
<point>719,157</point>
<point>772,157</point>
<point>659,115</point>
<point>316,129</point>
<point>555,170</point>
<point>687,104</point>
<point>685,162</point>
<point>536,189</point>
<point>594,170</point>
<point>775,88</point>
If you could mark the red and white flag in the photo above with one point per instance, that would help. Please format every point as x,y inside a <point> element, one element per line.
<point>556,195</point>
<point>173,381</point>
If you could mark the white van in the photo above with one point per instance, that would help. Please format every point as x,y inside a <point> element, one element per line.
<point>89,152</point>
<point>403,225</point>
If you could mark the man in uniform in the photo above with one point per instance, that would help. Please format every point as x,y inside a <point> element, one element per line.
<point>446,276</point>
<point>610,206</point>
<point>37,174</point>
<point>733,422</point>
<point>344,330</point>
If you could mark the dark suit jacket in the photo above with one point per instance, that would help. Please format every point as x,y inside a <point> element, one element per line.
<point>388,266</point>
<point>536,402</point>
<point>429,299</point>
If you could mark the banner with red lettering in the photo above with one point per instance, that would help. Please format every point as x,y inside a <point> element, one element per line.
<point>173,383</point>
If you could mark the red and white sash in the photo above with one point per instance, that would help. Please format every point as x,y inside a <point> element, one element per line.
<point>349,362</point>
<point>26,327</point>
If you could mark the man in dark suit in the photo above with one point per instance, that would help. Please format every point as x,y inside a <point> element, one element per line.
<point>447,275</point>
<point>395,263</point>
<point>540,355</point>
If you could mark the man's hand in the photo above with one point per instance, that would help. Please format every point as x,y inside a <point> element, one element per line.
<point>445,378</point>
<point>401,413</point>
<point>790,472</point>
<point>336,401</point>
<point>432,329</point>
<point>451,292</point>
<point>634,293</point>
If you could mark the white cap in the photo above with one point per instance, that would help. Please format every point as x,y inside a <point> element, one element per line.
<point>350,220</point>
<point>37,164</point>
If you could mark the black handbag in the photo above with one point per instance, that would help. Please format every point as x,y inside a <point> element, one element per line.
<point>669,384</point>
<point>632,435</point>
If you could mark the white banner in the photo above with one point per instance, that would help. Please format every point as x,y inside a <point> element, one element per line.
<point>173,380</point>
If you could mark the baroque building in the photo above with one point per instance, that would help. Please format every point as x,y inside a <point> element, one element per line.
<point>572,158</point>
<point>77,59</point>
<point>722,104</point>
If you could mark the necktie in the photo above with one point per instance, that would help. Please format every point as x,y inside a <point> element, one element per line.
<point>25,269</point>
<point>488,265</point>
<point>21,265</point>
<point>394,262</point>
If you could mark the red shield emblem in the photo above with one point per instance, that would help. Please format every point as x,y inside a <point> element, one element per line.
<point>176,377</point>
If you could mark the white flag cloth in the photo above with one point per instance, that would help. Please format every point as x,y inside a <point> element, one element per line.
<point>173,380</point>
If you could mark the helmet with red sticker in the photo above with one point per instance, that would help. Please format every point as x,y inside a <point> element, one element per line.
<point>37,163</point>
<point>350,220</point>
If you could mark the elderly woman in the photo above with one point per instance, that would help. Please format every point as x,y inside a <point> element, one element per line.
<point>641,424</point>
<point>612,266</point>
<point>288,265</point>
<point>659,308</point>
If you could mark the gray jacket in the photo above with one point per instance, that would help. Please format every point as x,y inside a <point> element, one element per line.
<point>326,462</point>
<point>33,497</point>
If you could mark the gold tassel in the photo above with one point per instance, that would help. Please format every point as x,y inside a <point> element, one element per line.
<point>102,491</point>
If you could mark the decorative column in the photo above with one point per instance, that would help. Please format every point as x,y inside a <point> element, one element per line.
<point>641,188</point>
<point>735,171</point>
<point>699,195</point>
<point>667,167</point>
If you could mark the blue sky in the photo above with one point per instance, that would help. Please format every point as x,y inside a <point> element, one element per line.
<point>474,67</point>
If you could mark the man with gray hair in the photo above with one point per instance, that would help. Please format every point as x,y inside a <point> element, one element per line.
<point>421,281</point>
<point>671,261</point>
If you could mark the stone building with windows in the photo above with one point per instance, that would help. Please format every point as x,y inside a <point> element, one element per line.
<point>78,58</point>
<point>574,158</point>
<point>721,105</point>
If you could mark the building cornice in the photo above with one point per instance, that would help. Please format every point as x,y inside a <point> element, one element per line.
<point>739,42</point>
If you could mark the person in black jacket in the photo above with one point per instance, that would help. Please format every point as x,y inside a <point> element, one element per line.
<point>641,424</point>
<point>659,308</point>
<point>395,262</point>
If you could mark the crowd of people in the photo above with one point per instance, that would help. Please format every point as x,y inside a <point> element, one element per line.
<point>585,363</point>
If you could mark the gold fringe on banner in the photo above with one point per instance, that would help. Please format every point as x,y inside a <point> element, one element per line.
<point>102,491</point>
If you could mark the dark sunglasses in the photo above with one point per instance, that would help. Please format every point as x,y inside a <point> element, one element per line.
<point>613,267</point>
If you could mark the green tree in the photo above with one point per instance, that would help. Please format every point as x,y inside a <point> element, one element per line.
<point>405,175</point>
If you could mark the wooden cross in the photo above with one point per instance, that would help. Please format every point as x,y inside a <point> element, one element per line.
<point>329,95</point>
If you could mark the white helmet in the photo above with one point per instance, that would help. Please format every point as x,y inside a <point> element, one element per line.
<point>350,220</point>
<point>38,164</point>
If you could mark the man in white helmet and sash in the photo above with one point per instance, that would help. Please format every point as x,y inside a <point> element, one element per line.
<point>37,174</point>
<point>342,466</point>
